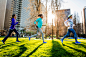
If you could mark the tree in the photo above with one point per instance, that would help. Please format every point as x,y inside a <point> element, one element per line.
<point>77,23</point>
<point>55,5</point>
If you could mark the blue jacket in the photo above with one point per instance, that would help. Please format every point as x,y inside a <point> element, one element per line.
<point>13,23</point>
<point>39,20</point>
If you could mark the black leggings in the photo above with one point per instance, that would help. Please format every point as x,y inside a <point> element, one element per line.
<point>10,31</point>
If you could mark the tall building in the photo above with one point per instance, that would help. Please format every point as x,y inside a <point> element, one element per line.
<point>12,7</point>
<point>16,9</point>
<point>24,14</point>
<point>2,13</point>
<point>7,15</point>
<point>61,17</point>
<point>84,21</point>
<point>28,14</point>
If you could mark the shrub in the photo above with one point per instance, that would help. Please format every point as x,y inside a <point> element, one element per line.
<point>31,33</point>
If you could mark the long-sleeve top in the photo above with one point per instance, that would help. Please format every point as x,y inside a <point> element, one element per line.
<point>39,20</point>
<point>69,23</point>
<point>13,23</point>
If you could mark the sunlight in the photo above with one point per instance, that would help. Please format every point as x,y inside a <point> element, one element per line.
<point>50,17</point>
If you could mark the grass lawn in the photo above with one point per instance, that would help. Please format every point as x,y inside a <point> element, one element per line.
<point>35,48</point>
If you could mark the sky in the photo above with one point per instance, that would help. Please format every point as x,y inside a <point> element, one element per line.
<point>74,6</point>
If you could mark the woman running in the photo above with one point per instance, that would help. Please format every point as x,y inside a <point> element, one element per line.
<point>69,24</point>
<point>39,20</point>
<point>12,28</point>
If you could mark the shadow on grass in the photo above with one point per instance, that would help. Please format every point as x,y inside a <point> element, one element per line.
<point>76,49</point>
<point>59,51</point>
<point>23,49</point>
<point>34,50</point>
<point>80,44</point>
<point>12,44</point>
<point>8,44</point>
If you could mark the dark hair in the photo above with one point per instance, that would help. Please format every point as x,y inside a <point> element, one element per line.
<point>13,16</point>
<point>40,15</point>
<point>69,17</point>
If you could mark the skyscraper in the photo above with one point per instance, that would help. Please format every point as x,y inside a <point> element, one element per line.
<point>2,13</point>
<point>7,14</point>
<point>16,9</point>
<point>84,21</point>
<point>24,14</point>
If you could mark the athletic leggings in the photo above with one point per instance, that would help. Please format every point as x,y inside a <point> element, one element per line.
<point>10,31</point>
<point>68,33</point>
<point>39,30</point>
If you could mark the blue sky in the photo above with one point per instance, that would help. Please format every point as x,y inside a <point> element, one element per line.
<point>75,6</point>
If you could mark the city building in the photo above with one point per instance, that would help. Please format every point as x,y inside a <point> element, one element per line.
<point>2,13</point>
<point>61,17</point>
<point>84,20</point>
<point>24,14</point>
<point>16,7</point>
<point>7,14</point>
<point>12,7</point>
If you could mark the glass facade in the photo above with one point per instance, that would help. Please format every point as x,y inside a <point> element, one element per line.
<point>24,13</point>
<point>16,9</point>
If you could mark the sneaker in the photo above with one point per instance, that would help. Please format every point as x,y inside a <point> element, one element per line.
<point>3,42</point>
<point>62,41</point>
<point>77,42</point>
<point>44,42</point>
<point>29,38</point>
<point>18,41</point>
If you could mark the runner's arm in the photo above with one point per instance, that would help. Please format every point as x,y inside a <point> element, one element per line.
<point>13,22</point>
<point>36,21</point>
<point>66,24</point>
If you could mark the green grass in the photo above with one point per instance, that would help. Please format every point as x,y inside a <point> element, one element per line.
<point>35,48</point>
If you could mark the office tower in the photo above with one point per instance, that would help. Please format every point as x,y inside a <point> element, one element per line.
<point>2,13</point>
<point>84,21</point>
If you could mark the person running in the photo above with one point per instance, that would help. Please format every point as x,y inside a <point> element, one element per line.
<point>12,28</point>
<point>69,24</point>
<point>39,20</point>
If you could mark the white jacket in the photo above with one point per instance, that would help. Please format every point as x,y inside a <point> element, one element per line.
<point>69,23</point>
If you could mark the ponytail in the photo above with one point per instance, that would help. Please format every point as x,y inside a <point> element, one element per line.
<point>68,18</point>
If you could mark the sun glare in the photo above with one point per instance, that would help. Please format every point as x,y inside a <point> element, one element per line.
<point>50,17</point>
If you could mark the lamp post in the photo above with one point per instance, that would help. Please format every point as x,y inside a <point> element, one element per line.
<point>52,24</point>
<point>52,28</point>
